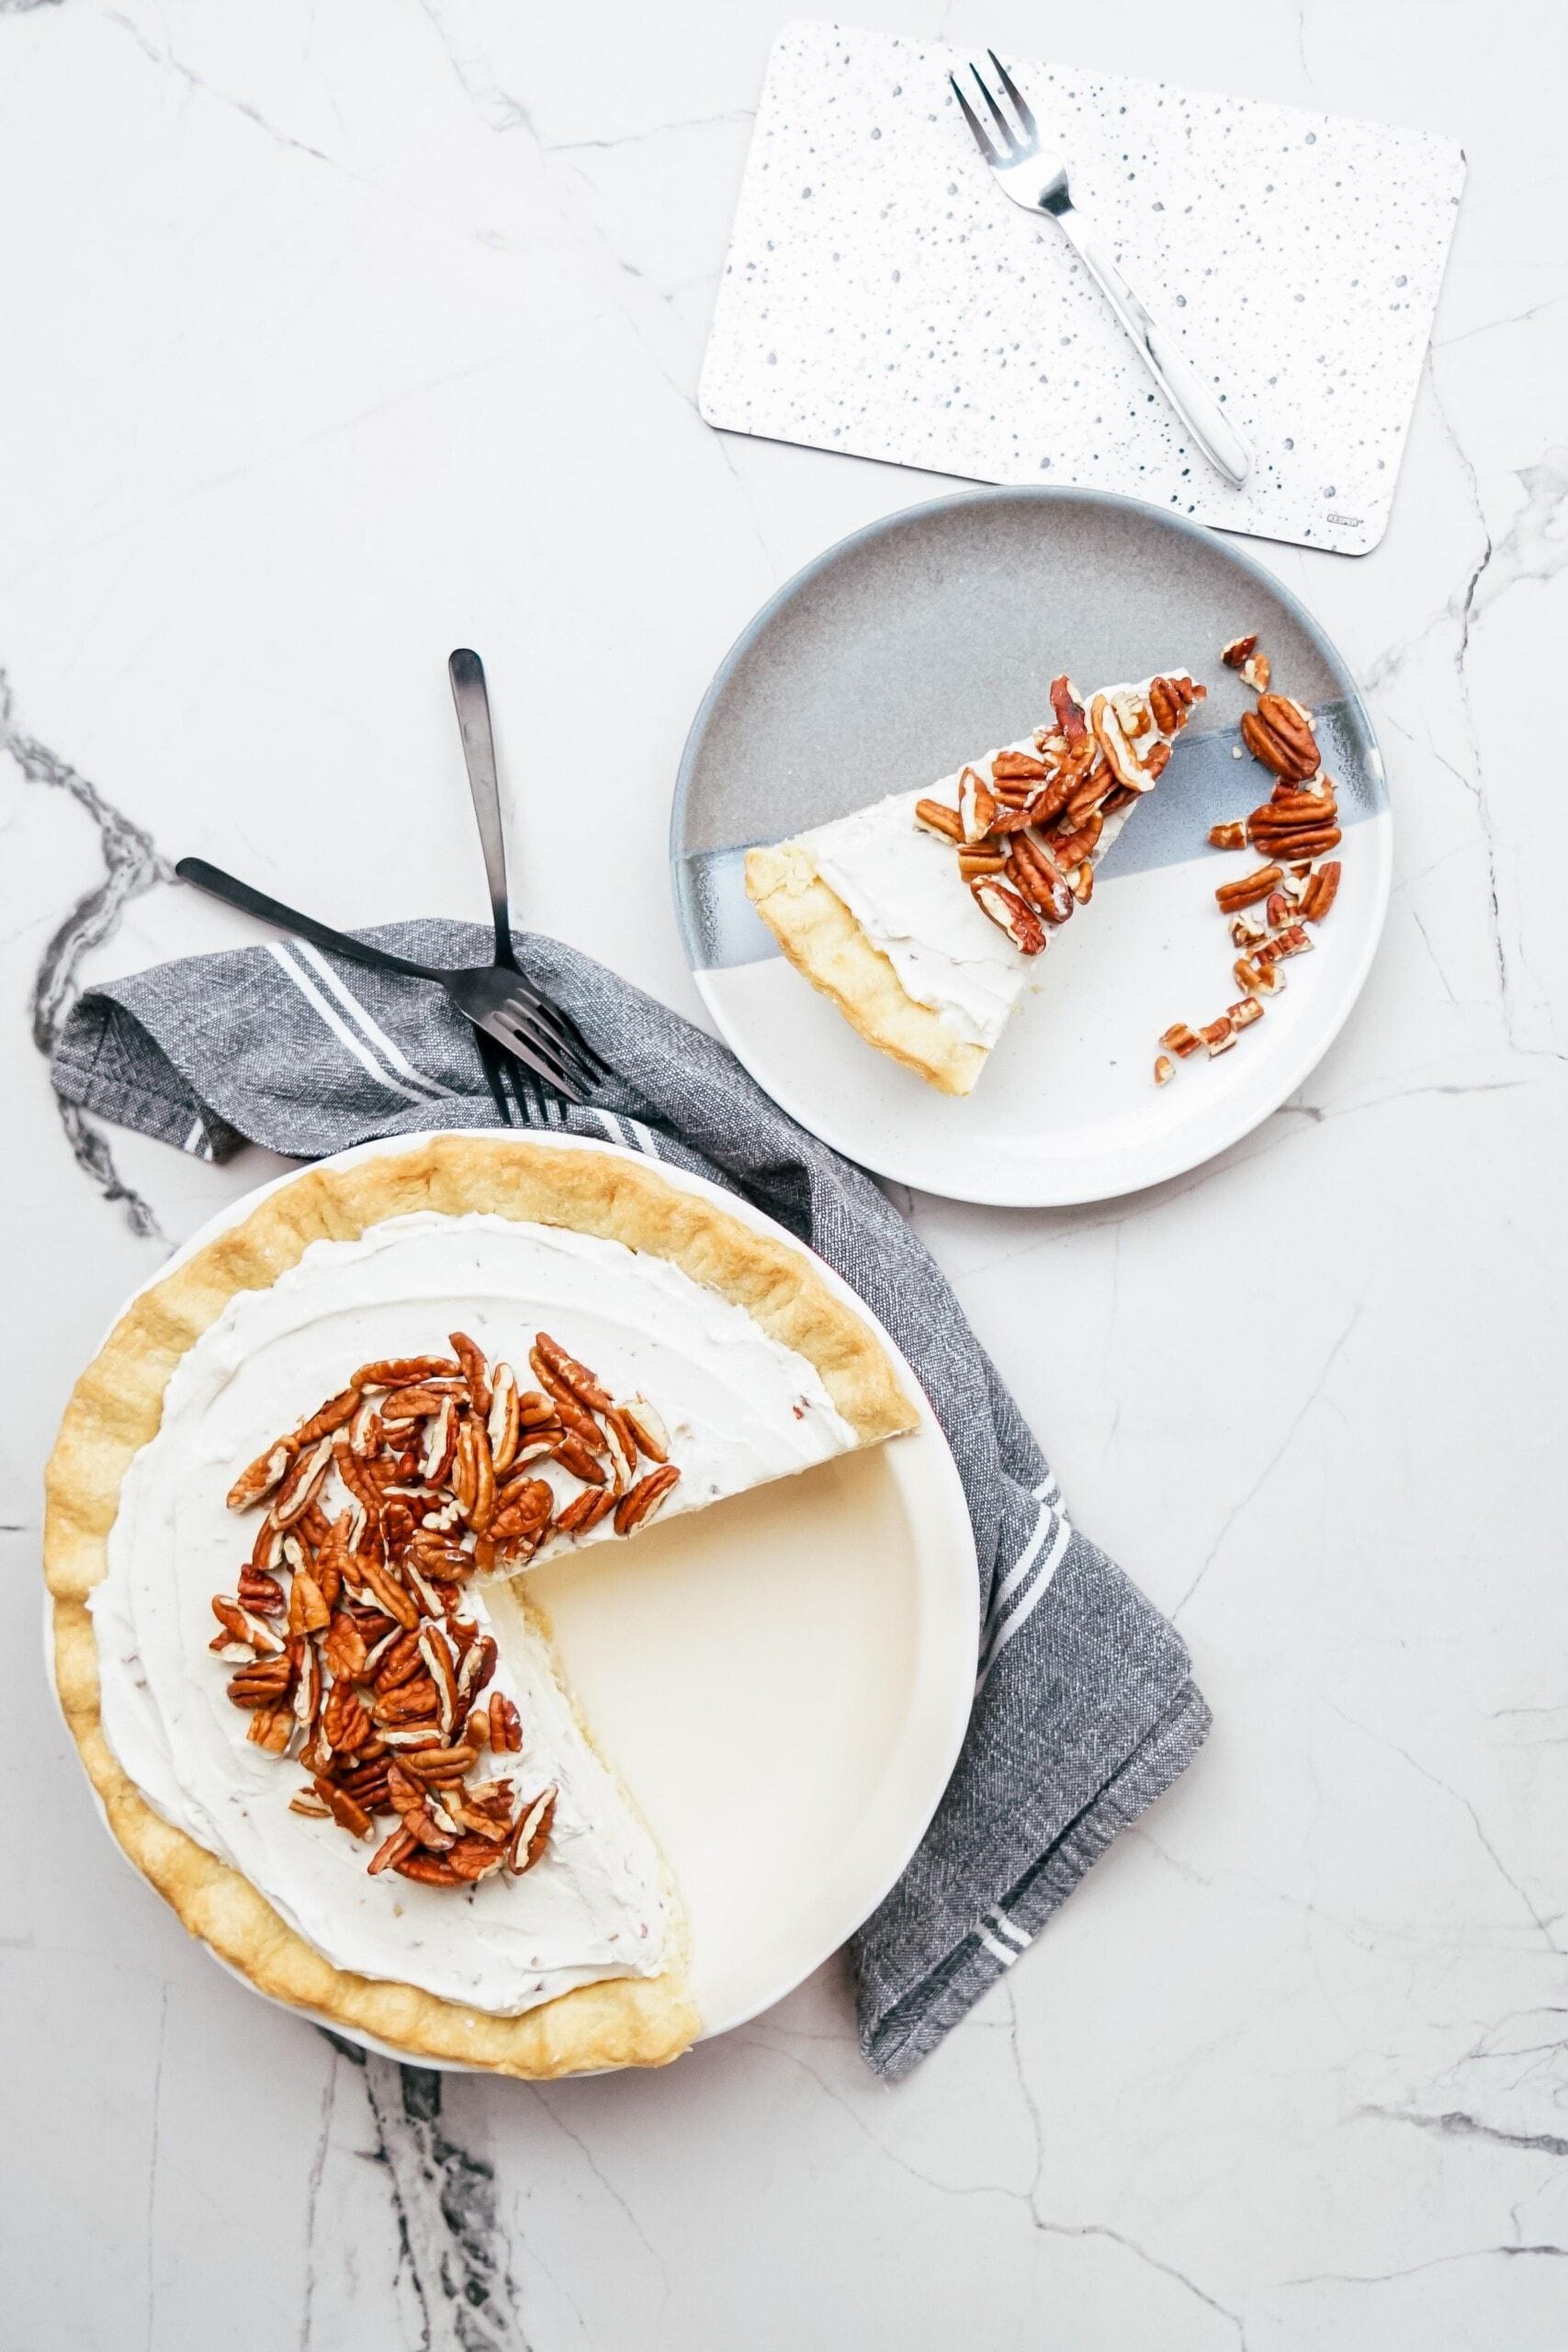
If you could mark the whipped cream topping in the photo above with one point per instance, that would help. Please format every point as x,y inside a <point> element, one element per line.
<point>741,1409</point>
<point>901,884</point>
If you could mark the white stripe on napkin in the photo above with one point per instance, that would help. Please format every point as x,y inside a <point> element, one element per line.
<point>338,1025</point>
<point>1024,1609</point>
<point>368,1027</point>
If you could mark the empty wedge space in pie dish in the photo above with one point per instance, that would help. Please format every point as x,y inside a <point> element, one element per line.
<point>304,1510</point>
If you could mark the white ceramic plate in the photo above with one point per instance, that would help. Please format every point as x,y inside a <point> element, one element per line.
<point>801,1654</point>
<point>920,642</point>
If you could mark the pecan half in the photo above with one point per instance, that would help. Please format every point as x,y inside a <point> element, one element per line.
<point>1009,913</point>
<point>429,1869</point>
<point>403,1372</point>
<point>1070,711</point>
<point>299,1487</point>
<point>503,1421</point>
<point>1039,877</point>
<point>263,1683</point>
<point>1231,896</point>
<point>648,1427</point>
<point>585,1510</point>
<point>641,1502</point>
<point>976,806</point>
<point>1281,736</point>
<point>475,1373</point>
<point>1081,843</point>
<point>531,1834</point>
<point>584,1386</point>
<point>260,1594</point>
<point>1322,890</point>
<point>936,819</point>
<point>261,1477</point>
<point>345,1811</point>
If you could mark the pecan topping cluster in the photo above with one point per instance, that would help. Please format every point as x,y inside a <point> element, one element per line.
<point>346,1631</point>
<point>1290,830</point>
<point>1026,835</point>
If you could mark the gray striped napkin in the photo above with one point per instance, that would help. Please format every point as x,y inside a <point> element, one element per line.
<point>1085,1709</point>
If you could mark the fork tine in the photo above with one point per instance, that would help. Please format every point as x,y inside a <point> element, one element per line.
<point>973,119</point>
<point>1015,94</point>
<point>527,1047</point>
<point>998,117</point>
<point>545,1040</point>
<point>522,1050</point>
<point>562,1032</point>
<point>491,1063</point>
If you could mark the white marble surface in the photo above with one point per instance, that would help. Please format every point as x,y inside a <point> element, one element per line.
<point>340,334</point>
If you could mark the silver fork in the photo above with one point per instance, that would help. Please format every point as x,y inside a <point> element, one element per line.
<point>1040,183</point>
<point>470,699</point>
<point>504,1004</point>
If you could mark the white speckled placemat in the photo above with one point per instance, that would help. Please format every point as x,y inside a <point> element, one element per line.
<point>882,296</point>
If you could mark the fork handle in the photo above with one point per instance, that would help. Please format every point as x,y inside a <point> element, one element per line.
<point>1174,373</point>
<point>466,673</point>
<point>235,893</point>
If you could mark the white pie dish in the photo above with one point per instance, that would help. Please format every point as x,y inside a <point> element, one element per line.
<point>783,1680</point>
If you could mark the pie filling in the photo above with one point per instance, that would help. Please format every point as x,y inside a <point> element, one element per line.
<point>960,887</point>
<point>381,1743</point>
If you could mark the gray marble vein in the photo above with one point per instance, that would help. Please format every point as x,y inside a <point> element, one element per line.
<point>443,2197</point>
<point>131,865</point>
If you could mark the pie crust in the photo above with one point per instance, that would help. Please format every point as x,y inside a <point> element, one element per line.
<point>116,1408</point>
<point>827,945</point>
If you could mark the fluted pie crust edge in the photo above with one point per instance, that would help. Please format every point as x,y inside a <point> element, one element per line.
<point>116,1407</point>
<point>827,947</point>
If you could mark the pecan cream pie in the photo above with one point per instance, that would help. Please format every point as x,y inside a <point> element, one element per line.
<point>920,916</point>
<point>290,1512</point>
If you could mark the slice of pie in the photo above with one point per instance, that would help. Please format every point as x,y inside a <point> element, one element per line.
<point>921,916</point>
<point>289,1511</point>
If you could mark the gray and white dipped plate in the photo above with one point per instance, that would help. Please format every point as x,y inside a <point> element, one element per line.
<point>918,642</point>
